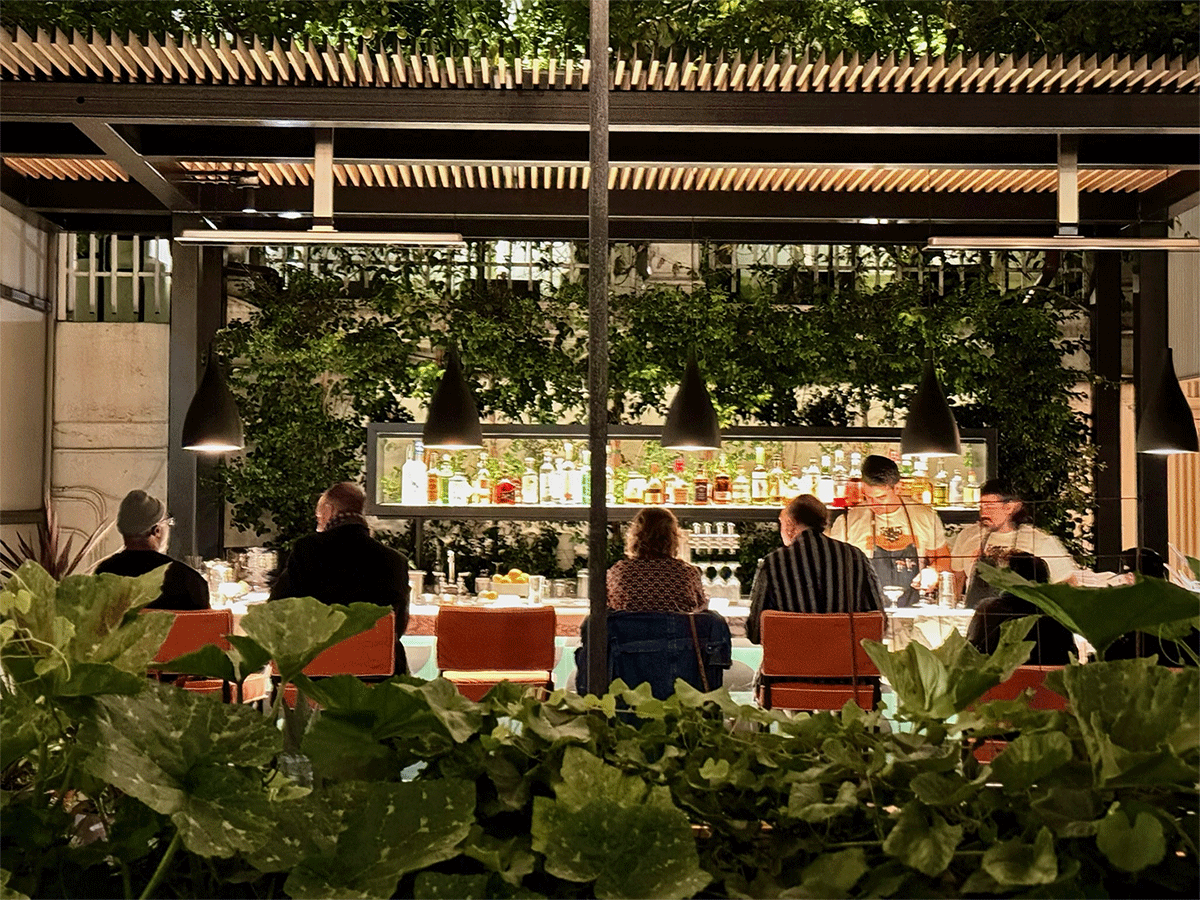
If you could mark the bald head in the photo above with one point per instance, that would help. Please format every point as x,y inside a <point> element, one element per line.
<point>344,497</point>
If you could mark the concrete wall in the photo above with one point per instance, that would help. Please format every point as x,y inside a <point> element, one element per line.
<point>110,418</point>
<point>26,253</point>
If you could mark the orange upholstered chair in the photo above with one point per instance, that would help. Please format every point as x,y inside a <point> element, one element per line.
<point>368,654</point>
<point>1025,678</point>
<point>477,648</point>
<point>196,628</point>
<point>803,651</point>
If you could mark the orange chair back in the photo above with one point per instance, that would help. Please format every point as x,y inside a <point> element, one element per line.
<point>1024,678</point>
<point>818,645</point>
<point>477,638</point>
<point>370,652</point>
<point>193,629</point>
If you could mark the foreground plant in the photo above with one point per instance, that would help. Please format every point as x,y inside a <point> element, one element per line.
<point>407,789</point>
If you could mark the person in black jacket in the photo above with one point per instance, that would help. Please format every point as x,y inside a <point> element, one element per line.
<point>1052,641</point>
<point>143,522</point>
<point>342,563</point>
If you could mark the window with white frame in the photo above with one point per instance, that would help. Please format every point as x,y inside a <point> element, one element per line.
<point>114,278</point>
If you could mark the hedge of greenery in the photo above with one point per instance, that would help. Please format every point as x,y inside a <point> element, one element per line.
<point>116,786</point>
<point>326,351</point>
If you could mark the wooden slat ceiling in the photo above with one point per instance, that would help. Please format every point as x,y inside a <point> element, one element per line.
<point>648,178</point>
<point>184,58</point>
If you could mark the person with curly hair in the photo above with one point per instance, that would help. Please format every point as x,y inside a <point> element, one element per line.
<point>652,578</point>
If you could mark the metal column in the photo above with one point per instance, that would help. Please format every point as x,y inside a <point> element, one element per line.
<point>1106,409</point>
<point>1150,339</point>
<point>597,647</point>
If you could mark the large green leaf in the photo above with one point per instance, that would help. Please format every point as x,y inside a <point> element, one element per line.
<point>942,682</point>
<point>293,631</point>
<point>922,839</point>
<point>190,757</point>
<point>1140,722</point>
<point>832,874</point>
<point>98,604</point>
<point>438,885</point>
<point>210,661</point>
<point>1031,757</point>
<point>389,830</point>
<point>1103,614</point>
<point>303,827</point>
<point>1019,863</point>
<point>511,858</point>
<point>806,802</point>
<point>133,645</point>
<point>1131,846</point>
<point>614,829</point>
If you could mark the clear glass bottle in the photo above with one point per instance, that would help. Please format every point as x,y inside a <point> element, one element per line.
<point>795,483</point>
<point>839,478</point>
<point>459,489</point>
<point>654,493</point>
<point>585,483</point>
<point>825,481</point>
<point>547,467</point>
<point>941,487</point>
<point>482,492</point>
<point>955,497</point>
<point>906,488</point>
<point>722,488</point>
<point>635,487</point>
<point>854,480</point>
<point>971,491</point>
<point>810,478</point>
<point>444,474</point>
<point>529,483</point>
<point>742,491</point>
<point>776,482</point>
<point>758,477</point>
<point>569,493</point>
<point>922,487</point>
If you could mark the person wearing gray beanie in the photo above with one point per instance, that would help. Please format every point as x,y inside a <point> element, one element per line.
<point>145,526</point>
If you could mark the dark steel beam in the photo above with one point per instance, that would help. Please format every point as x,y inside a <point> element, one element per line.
<point>659,111</point>
<point>598,210</point>
<point>1150,339</point>
<point>1106,410</point>
<point>120,151</point>
<point>1154,203</point>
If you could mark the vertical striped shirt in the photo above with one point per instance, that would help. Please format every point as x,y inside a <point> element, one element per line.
<point>816,574</point>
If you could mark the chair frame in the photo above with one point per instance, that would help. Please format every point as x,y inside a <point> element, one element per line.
<point>192,630</point>
<point>517,645</point>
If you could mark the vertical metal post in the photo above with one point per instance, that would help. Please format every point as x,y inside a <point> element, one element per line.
<point>323,180</point>
<point>1068,184</point>
<point>1150,333</point>
<point>597,646</point>
<point>1106,409</point>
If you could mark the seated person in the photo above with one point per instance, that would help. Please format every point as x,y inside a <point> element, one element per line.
<point>1146,562</point>
<point>143,522</point>
<point>342,563</point>
<point>811,573</point>
<point>1052,641</point>
<point>653,578</point>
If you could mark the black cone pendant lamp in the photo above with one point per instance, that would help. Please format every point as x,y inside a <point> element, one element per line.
<point>212,423</point>
<point>453,418</point>
<point>930,429</point>
<point>1167,425</point>
<point>691,421</point>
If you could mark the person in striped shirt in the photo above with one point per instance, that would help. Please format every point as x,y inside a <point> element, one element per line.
<point>811,572</point>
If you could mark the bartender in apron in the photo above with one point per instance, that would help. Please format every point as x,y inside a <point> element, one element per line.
<point>905,541</point>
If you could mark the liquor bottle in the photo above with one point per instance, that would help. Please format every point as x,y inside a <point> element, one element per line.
<point>825,481</point>
<point>795,482</point>
<point>547,467</point>
<point>941,487</point>
<point>431,478</point>
<point>653,494</point>
<point>569,480</point>
<point>585,479</point>
<point>777,482</point>
<point>508,487</point>
<point>412,476</point>
<point>611,494</point>
<point>444,474</point>
<point>679,485</point>
<point>854,480</point>
<point>906,489</point>
<point>635,487</point>
<point>955,497</point>
<point>700,488</point>
<point>529,483</point>
<point>483,481</point>
<point>459,489</point>
<point>722,489</point>
<point>758,477</point>
<point>971,491</point>
<point>839,478</point>
<point>812,474</point>
<point>922,487</point>
<point>558,482</point>
<point>741,490</point>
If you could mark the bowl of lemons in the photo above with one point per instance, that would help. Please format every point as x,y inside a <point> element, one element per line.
<point>514,583</point>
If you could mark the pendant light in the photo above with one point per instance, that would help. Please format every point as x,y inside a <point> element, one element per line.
<point>452,421</point>
<point>1167,424</point>
<point>212,423</point>
<point>691,421</point>
<point>930,429</point>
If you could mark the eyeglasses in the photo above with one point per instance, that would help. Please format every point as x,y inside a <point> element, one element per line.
<point>169,521</point>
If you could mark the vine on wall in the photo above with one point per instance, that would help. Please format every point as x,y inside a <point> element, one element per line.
<point>324,352</point>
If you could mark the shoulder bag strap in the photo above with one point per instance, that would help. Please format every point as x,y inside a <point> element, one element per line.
<point>699,656</point>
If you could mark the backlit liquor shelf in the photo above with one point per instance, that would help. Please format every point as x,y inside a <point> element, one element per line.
<point>749,479</point>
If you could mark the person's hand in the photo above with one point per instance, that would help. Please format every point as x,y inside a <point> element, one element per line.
<point>926,580</point>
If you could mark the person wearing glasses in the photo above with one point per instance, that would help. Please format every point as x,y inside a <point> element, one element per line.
<point>145,526</point>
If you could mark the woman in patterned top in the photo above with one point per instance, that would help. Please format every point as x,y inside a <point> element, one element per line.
<point>653,578</point>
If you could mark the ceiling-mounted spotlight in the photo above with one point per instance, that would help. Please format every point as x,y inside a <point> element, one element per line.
<point>291,214</point>
<point>248,184</point>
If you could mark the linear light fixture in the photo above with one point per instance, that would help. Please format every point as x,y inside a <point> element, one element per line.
<point>1062,242</point>
<point>231,236</point>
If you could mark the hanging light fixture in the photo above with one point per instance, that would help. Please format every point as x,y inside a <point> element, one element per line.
<point>1167,425</point>
<point>930,429</point>
<point>212,423</point>
<point>691,421</point>
<point>453,418</point>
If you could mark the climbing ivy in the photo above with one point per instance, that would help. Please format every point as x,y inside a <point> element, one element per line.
<point>327,350</point>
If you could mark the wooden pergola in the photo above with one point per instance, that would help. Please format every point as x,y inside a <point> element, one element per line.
<point>154,134</point>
